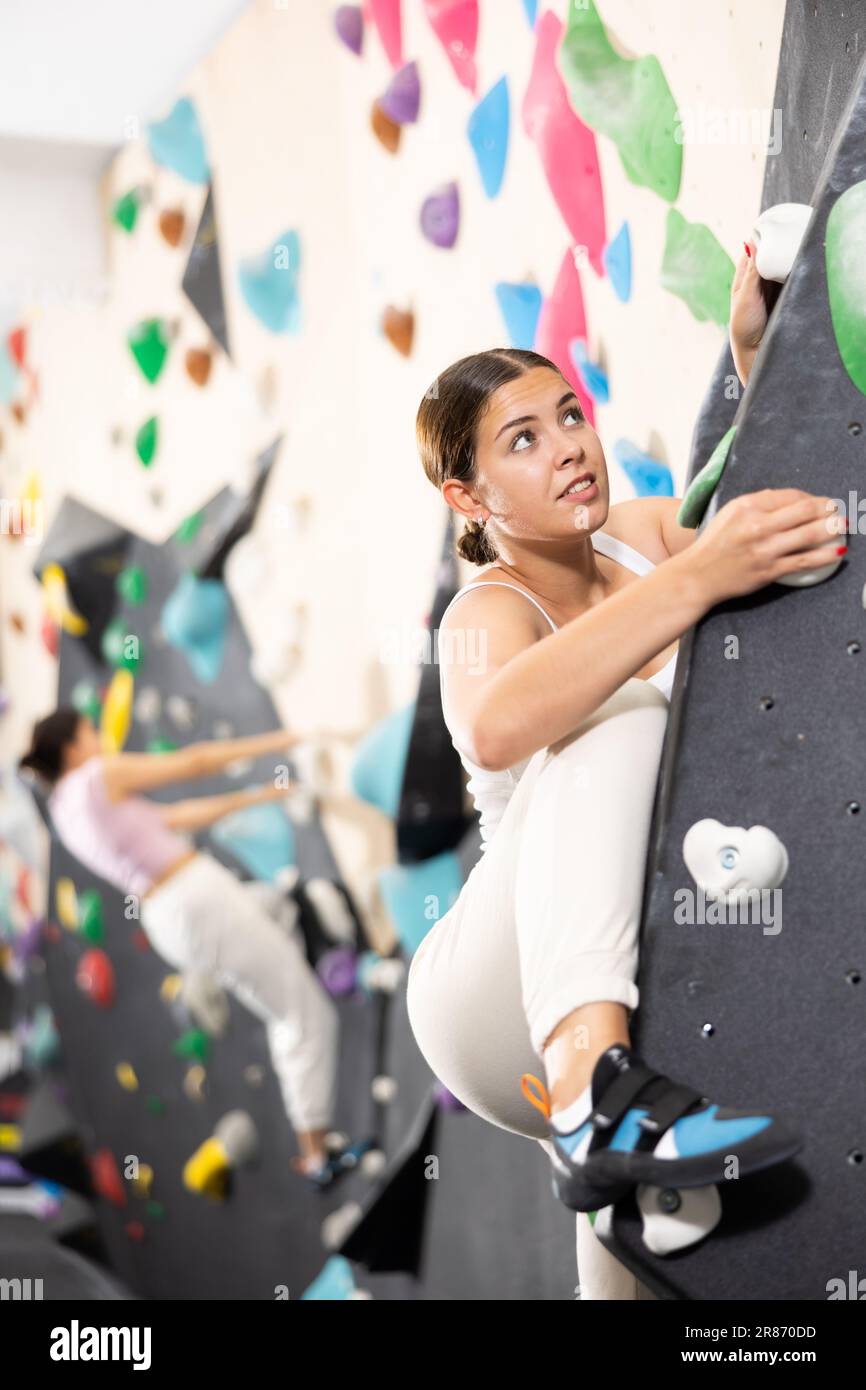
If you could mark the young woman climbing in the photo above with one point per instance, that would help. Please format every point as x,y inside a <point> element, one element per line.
<point>196,914</point>
<point>556,671</point>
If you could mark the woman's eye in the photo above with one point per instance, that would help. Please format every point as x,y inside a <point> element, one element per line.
<point>524,434</point>
<point>573,410</point>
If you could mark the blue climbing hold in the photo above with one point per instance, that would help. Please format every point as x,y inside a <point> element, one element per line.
<point>269,284</point>
<point>520,306</point>
<point>416,896</point>
<point>531,8</point>
<point>262,838</point>
<point>593,377</point>
<point>177,143</point>
<point>377,770</point>
<point>195,621</point>
<point>648,476</point>
<point>488,135</point>
<point>336,1281</point>
<point>616,258</point>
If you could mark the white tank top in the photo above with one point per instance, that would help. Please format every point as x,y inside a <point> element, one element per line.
<point>491,791</point>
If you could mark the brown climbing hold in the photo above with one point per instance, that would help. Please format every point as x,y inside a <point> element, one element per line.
<point>198,364</point>
<point>18,412</point>
<point>171,225</point>
<point>399,328</point>
<point>386,131</point>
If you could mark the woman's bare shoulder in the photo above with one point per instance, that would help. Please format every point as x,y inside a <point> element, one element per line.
<point>649,525</point>
<point>500,596</point>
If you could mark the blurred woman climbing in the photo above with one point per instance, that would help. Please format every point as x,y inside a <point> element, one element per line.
<point>196,914</point>
<point>560,723</point>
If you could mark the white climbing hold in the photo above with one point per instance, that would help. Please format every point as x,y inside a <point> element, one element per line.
<point>337,1226</point>
<point>802,579</point>
<point>332,910</point>
<point>383,1089</point>
<point>180,711</point>
<point>674,1218</point>
<point>148,704</point>
<point>237,1135</point>
<point>728,861</point>
<point>777,235</point>
<point>373,1163</point>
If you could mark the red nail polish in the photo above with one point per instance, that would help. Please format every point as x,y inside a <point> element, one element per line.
<point>748,251</point>
<point>841,550</point>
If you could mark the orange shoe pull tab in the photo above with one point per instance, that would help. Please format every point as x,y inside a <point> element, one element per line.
<point>541,1101</point>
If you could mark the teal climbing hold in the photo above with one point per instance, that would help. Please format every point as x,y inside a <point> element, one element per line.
<point>269,284</point>
<point>704,483</point>
<point>335,1282</point>
<point>376,774</point>
<point>194,620</point>
<point>416,896</point>
<point>262,838</point>
<point>177,143</point>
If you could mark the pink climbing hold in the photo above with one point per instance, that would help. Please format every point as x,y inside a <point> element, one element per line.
<point>562,319</point>
<point>386,16</point>
<point>565,145</point>
<point>455,24</point>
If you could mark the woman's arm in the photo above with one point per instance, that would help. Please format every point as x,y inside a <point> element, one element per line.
<point>543,692</point>
<point>126,773</point>
<point>201,811</point>
<point>552,686</point>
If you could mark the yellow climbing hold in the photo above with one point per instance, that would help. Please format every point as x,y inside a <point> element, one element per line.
<point>66,902</point>
<point>142,1184</point>
<point>207,1171</point>
<point>117,711</point>
<point>10,1138</point>
<point>170,988</point>
<point>57,602</point>
<point>126,1076</point>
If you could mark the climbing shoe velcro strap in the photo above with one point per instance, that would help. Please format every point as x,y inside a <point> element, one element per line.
<point>619,1095</point>
<point>670,1106</point>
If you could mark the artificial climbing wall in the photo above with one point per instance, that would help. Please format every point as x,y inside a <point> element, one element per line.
<point>767,729</point>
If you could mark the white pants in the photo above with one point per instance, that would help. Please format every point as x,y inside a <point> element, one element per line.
<point>203,920</point>
<point>547,920</point>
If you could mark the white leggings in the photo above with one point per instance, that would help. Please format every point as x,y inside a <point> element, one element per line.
<point>202,920</point>
<point>547,920</point>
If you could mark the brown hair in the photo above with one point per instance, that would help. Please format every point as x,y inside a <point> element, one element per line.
<point>48,743</point>
<point>447,421</point>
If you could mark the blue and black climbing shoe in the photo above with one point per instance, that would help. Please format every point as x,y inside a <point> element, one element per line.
<point>336,1165</point>
<point>641,1127</point>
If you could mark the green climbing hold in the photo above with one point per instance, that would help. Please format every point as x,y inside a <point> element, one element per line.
<point>846,281</point>
<point>697,269</point>
<point>91,923</point>
<point>156,1210</point>
<point>189,528</point>
<point>120,648</point>
<point>125,210</point>
<point>132,584</point>
<point>146,441</point>
<point>704,484</point>
<point>155,1105</point>
<point>85,698</point>
<point>627,99</point>
<point>194,1044</point>
<point>161,745</point>
<point>148,344</point>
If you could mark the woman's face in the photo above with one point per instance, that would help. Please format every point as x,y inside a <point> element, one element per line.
<point>533,442</point>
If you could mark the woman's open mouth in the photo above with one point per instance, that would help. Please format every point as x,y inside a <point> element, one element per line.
<point>584,490</point>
